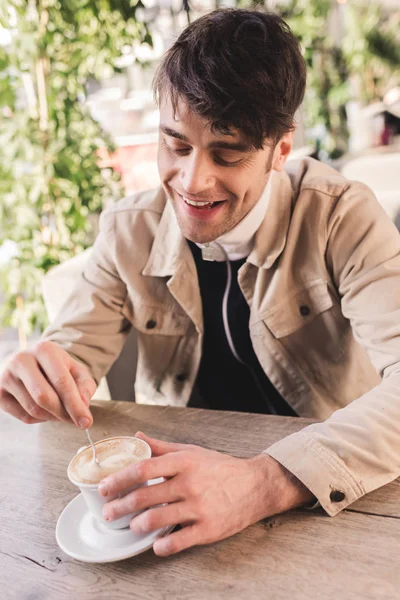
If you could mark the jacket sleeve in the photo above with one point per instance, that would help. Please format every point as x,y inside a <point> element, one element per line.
<point>91,326</point>
<point>357,449</point>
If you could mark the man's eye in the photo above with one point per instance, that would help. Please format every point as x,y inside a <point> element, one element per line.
<point>179,151</point>
<point>225,161</point>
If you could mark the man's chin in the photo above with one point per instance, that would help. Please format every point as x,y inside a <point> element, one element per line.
<point>200,239</point>
<point>199,233</point>
<point>202,234</point>
<point>196,235</point>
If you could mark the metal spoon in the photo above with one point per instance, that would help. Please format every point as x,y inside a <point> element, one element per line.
<point>95,459</point>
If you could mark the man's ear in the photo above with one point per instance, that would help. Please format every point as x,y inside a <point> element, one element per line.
<point>282,151</point>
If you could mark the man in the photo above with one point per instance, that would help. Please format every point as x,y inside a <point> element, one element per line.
<point>251,288</point>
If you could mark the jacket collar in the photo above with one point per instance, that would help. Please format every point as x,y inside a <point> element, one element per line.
<point>171,257</point>
<point>271,236</point>
<point>170,250</point>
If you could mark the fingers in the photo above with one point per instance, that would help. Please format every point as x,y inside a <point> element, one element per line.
<point>139,472</point>
<point>177,541</point>
<point>13,408</point>
<point>34,388</point>
<point>159,447</point>
<point>140,499</point>
<point>21,396</point>
<point>162,516</point>
<point>54,364</point>
<point>86,385</point>
<point>47,383</point>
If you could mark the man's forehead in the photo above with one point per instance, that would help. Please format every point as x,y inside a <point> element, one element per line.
<point>181,117</point>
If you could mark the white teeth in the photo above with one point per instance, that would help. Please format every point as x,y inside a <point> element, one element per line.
<point>195,203</point>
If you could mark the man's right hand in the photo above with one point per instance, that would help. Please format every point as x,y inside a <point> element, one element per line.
<point>45,383</point>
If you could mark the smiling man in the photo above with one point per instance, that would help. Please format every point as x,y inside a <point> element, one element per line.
<point>253,285</point>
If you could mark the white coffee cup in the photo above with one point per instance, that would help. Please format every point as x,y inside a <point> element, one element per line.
<point>90,491</point>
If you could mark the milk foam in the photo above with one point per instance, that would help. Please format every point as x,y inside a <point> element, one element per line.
<point>113,454</point>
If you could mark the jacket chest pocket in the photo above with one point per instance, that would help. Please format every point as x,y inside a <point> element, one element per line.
<point>159,321</point>
<point>162,344</point>
<point>298,309</point>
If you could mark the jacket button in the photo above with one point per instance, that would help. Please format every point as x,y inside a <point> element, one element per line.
<point>304,310</point>
<point>181,377</point>
<point>151,324</point>
<point>337,496</point>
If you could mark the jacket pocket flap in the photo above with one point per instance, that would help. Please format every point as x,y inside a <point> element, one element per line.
<point>155,320</point>
<point>299,309</point>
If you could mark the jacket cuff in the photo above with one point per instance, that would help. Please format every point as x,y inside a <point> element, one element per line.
<point>319,469</point>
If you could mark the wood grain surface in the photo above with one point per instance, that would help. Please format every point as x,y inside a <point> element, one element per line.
<point>298,555</point>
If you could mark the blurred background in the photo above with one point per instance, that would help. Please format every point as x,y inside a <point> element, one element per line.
<point>78,125</point>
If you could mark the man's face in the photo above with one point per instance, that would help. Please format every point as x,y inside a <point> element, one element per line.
<point>213,180</point>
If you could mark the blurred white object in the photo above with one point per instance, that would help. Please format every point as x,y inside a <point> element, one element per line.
<point>392,101</point>
<point>365,124</point>
<point>8,250</point>
<point>381,172</point>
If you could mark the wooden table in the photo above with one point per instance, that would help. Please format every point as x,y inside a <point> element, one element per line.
<point>300,554</point>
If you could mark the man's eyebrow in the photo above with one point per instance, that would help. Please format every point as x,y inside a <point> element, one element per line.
<point>173,133</point>
<point>238,146</point>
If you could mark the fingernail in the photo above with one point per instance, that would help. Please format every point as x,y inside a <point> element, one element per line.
<point>103,489</point>
<point>84,423</point>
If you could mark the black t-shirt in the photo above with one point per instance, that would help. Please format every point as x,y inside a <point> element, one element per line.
<point>223,382</point>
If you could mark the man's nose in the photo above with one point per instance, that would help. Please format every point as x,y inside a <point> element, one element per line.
<point>197,174</point>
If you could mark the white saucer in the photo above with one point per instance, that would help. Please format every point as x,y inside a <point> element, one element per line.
<point>80,535</point>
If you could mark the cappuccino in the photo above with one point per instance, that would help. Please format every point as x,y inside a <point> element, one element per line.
<point>113,454</point>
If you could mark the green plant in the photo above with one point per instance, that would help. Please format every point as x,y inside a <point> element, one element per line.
<point>372,50</point>
<point>360,62</point>
<point>51,183</point>
<point>327,73</point>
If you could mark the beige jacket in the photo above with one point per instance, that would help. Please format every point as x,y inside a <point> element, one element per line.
<point>323,286</point>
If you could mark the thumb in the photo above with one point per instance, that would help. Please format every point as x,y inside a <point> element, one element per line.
<point>85,383</point>
<point>159,447</point>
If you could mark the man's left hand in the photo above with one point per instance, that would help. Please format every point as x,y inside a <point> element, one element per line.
<point>211,495</point>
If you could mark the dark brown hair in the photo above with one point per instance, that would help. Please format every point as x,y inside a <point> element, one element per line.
<point>237,68</point>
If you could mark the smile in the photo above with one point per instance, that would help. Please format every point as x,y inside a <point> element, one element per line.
<point>201,205</point>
